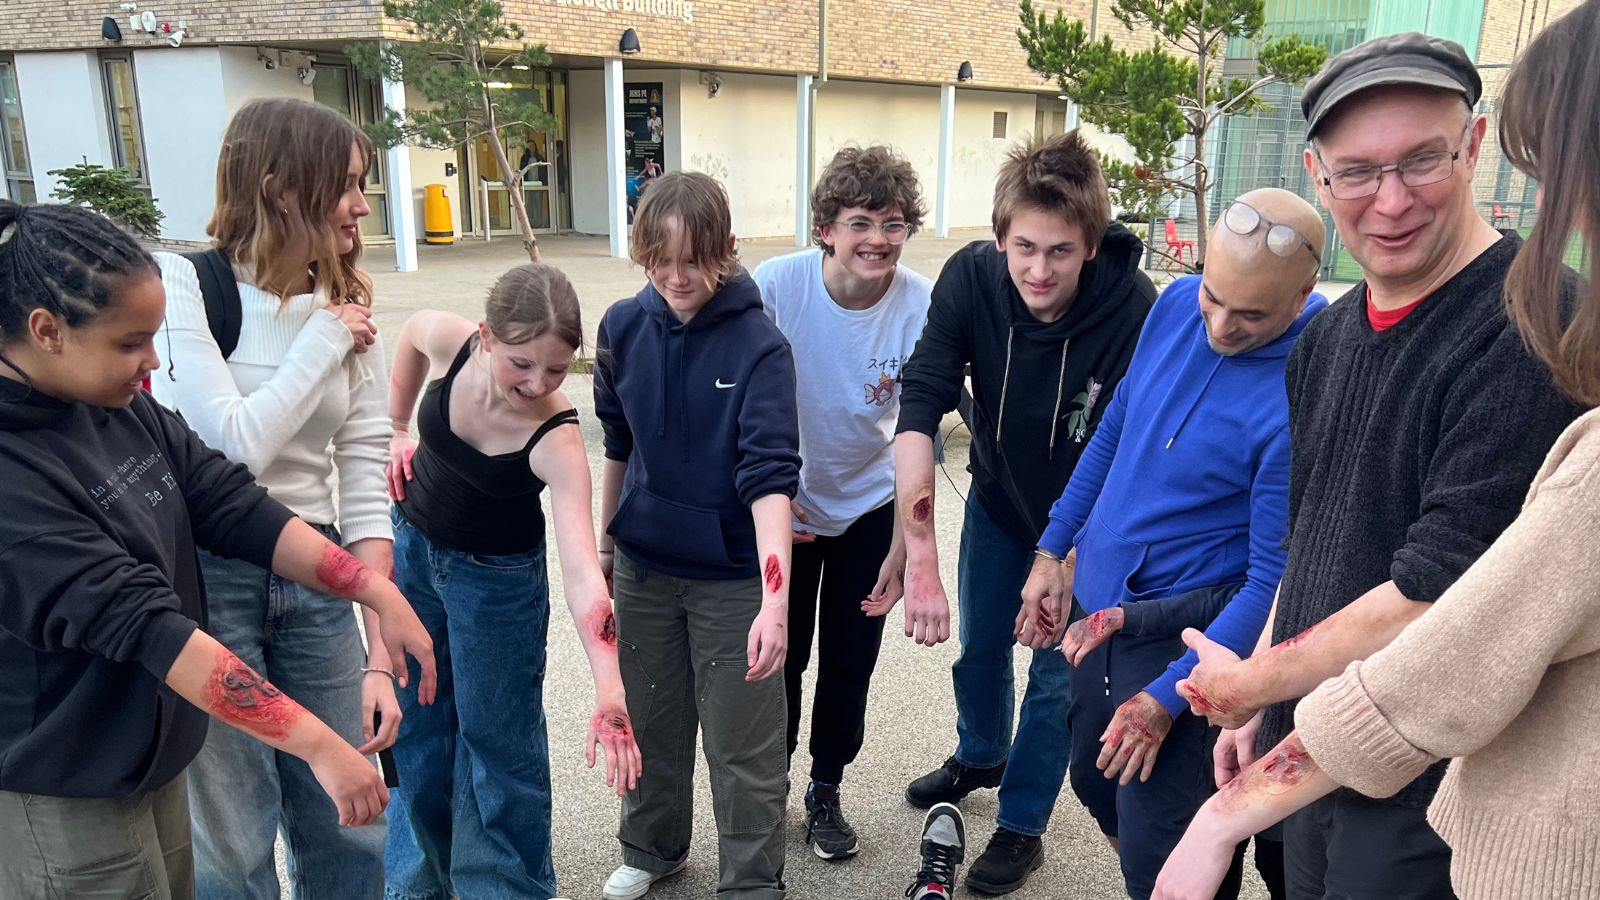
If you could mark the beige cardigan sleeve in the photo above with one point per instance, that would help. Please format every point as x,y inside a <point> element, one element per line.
<point>1459,674</point>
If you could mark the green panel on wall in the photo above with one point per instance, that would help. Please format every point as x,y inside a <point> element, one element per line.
<point>1458,20</point>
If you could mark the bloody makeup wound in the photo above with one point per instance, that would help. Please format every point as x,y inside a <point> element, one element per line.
<point>773,573</point>
<point>922,509</point>
<point>238,695</point>
<point>341,573</point>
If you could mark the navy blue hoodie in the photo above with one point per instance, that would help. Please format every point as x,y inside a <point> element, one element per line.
<point>703,412</point>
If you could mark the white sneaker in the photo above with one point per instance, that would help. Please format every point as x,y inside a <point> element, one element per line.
<point>628,883</point>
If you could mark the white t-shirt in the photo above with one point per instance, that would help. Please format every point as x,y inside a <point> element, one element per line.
<point>847,367</point>
<point>292,403</point>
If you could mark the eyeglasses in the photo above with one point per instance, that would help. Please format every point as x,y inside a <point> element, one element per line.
<point>894,231</point>
<point>1417,170</point>
<point>1243,219</point>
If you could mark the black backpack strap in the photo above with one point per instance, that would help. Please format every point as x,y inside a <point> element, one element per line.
<point>224,310</point>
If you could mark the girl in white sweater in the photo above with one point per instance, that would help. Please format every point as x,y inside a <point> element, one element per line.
<point>301,402</point>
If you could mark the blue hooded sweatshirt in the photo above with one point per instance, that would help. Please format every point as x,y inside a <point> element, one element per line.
<point>1186,484</point>
<point>703,412</point>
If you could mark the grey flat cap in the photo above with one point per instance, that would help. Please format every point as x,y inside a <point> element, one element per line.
<point>1410,58</point>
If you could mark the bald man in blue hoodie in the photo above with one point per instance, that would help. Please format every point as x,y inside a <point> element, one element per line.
<point>1175,517</point>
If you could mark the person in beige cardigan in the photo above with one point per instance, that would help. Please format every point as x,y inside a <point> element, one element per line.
<point>1502,674</point>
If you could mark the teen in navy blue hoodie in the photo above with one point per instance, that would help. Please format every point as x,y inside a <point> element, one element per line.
<point>695,389</point>
<point>107,675</point>
<point>1184,487</point>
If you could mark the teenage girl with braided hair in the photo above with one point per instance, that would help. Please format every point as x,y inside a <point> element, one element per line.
<point>109,674</point>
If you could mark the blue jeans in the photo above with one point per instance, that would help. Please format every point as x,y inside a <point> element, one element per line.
<point>992,569</point>
<point>471,817</point>
<point>241,791</point>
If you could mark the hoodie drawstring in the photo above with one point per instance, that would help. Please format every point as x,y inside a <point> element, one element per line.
<point>661,383</point>
<point>683,395</point>
<point>1005,382</point>
<point>1196,404</point>
<point>1061,386</point>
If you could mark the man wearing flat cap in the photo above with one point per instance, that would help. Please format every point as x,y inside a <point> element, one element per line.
<point>1417,420</point>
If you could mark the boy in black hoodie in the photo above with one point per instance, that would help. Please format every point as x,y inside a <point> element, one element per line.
<point>1047,315</point>
<point>695,389</point>
<point>108,674</point>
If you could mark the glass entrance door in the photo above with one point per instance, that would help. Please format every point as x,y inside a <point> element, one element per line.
<point>539,154</point>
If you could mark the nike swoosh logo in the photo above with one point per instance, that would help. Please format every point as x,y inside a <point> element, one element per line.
<point>726,386</point>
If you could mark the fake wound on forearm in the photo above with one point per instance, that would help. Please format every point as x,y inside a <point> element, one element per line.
<point>238,695</point>
<point>1288,765</point>
<point>602,623</point>
<point>772,574</point>
<point>341,574</point>
<point>918,512</point>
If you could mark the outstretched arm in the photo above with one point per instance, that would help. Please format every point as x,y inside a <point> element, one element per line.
<point>560,462</point>
<point>927,613</point>
<point>208,675</point>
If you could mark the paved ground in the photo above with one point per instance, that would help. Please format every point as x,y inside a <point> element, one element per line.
<point>911,725</point>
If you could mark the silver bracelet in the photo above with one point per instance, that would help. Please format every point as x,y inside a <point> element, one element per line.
<point>1042,553</point>
<point>368,671</point>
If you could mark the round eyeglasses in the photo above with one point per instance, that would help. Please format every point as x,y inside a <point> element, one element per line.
<point>1243,219</point>
<point>894,231</point>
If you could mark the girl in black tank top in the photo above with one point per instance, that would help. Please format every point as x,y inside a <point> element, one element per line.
<point>470,556</point>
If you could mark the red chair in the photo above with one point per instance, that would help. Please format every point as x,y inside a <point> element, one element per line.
<point>1498,216</point>
<point>1177,246</point>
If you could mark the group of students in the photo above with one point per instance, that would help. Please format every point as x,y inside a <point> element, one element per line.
<point>1193,508</point>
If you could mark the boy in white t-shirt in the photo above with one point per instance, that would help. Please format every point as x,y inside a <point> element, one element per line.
<point>852,315</point>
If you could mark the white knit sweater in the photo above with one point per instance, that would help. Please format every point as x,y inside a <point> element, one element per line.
<point>292,403</point>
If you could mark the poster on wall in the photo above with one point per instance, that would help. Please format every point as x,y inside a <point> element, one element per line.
<point>643,135</point>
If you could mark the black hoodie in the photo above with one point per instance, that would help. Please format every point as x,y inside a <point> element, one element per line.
<point>703,412</point>
<point>1038,388</point>
<point>100,587</point>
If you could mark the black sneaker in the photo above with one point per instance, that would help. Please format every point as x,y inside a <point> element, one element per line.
<point>951,782</point>
<point>944,843</point>
<point>829,835</point>
<point>1006,863</point>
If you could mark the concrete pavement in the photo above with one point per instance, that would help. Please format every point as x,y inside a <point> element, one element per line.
<point>911,719</point>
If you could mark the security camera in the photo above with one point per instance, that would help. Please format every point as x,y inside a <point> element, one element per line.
<point>713,83</point>
<point>267,61</point>
<point>175,39</point>
<point>306,74</point>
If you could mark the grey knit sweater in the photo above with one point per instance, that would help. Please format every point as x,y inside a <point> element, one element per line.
<point>1411,450</point>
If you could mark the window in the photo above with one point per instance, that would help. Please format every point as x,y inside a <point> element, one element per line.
<point>122,107</point>
<point>338,86</point>
<point>13,140</point>
<point>999,125</point>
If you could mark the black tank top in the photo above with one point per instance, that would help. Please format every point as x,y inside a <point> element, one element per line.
<point>467,500</point>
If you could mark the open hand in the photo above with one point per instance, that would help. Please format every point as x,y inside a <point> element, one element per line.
<point>1084,636</point>
<point>612,731</point>
<point>1133,738</point>
<point>889,588</point>
<point>927,613</point>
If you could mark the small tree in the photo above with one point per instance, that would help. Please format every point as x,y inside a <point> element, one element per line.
<point>459,61</point>
<point>112,193</point>
<point>1156,97</point>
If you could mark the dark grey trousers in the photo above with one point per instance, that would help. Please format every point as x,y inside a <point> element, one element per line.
<point>682,649</point>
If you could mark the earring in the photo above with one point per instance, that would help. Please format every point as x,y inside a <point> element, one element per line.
<point>52,348</point>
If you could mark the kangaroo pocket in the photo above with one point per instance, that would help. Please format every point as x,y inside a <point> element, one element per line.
<point>1108,565</point>
<point>668,528</point>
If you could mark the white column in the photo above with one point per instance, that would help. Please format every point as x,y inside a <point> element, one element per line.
<point>803,121</point>
<point>947,124</point>
<point>616,186</point>
<point>402,208</point>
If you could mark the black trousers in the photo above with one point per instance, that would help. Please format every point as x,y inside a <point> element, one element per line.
<point>1349,847</point>
<point>829,578</point>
